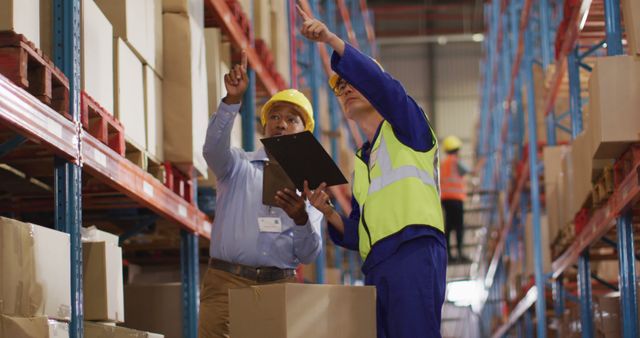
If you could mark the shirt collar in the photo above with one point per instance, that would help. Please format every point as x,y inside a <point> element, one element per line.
<point>258,155</point>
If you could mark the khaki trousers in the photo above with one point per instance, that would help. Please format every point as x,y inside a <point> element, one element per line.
<point>214,301</point>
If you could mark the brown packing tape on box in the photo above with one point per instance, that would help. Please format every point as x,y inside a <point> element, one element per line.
<point>35,269</point>
<point>32,327</point>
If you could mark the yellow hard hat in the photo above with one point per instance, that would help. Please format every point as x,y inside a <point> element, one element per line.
<point>333,79</point>
<point>451,143</point>
<point>295,97</point>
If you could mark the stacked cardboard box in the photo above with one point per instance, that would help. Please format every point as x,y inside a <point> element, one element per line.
<point>100,330</point>
<point>552,157</point>
<point>185,103</point>
<point>35,288</point>
<point>614,98</point>
<point>529,245</point>
<point>102,277</point>
<point>138,64</point>
<point>155,308</point>
<point>631,14</point>
<point>33,327</point>
<point>22,17</point>
<point>283,310</point>
<point>606,316</point>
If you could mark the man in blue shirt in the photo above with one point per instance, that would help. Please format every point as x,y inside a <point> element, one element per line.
<point>252,243</point>
<point>405,261</point>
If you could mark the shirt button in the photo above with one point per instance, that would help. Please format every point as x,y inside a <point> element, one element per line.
<point>264,253</point>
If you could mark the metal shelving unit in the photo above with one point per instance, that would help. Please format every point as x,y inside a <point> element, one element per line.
<point>519,35</point>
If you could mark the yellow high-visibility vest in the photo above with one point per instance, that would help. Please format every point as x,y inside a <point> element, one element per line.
<point>399,187</point>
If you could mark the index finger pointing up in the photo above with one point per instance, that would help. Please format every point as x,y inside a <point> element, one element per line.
<point>244,60</point>
<point>302,13</point>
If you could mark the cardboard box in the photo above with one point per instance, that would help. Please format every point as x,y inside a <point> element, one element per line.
<point>614,98</point>
<point>97,54</point>
<point>23,17</point>
<point>333,276</point>
<point>566,188</point>
<point>93,234</point>
<point>184,91</point>
<point>553,213</point>
<point>153,109</point>
<point>97,330</point>
<point>607,315</point>
<point>262,21</point>
<point>552,157</point>
<point>103,282</point>
<point>529,245</point>
<point>139,23</point>
<point>194,8</point>
<point>35,269</point>
<point>631,14</point>
<point>280,39</point>
<point>303,310</point>
<point>215,76</point>
<point>581,165</point>
<point>154,308</point>
<point>129,94</point>
<point>32,327</point>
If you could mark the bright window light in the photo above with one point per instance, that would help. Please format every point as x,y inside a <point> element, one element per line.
<point>464,293</point>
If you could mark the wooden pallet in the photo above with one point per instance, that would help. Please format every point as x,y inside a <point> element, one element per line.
<point>179,181</point>
<point>625,164</point>
<point>145,160</point>
<point>25,65</point>
<point>603,188</point>
<point>101,124</point>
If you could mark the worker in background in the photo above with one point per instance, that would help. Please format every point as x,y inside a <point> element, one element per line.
<point>252,243</point>
<point>396,222</point>
<point>453,194</point>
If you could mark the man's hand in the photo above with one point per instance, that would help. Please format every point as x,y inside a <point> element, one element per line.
<point>293,205</point>
<point>314,29</point>
<point>236,81</point>
<point>319,198</point>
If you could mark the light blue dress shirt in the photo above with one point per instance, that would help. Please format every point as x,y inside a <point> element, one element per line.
<point>235,235</point>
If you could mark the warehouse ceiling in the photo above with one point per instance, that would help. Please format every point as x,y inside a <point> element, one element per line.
<point>410,18</point>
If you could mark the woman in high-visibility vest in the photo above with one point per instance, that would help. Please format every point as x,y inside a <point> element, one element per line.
<point>453,194</point>
<point>396,222</point>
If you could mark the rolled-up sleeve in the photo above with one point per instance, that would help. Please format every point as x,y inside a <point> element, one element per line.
<point>217,150</point>
<point>307,241</point>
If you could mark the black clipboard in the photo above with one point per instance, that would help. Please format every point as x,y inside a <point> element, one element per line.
<point>302,158</point>
<point>274,179</point>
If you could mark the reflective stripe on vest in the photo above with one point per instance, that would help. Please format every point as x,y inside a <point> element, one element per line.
<point>398,188</point>
<point>453,187</point>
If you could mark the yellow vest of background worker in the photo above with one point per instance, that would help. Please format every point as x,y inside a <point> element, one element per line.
<point>400,187</point>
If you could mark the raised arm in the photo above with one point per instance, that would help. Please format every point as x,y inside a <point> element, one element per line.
<point>217,146</point>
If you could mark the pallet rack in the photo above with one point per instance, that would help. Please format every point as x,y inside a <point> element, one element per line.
<point>78,154</point>
<point>519,34</point>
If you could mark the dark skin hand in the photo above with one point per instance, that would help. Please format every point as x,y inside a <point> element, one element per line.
<point>293,205</point>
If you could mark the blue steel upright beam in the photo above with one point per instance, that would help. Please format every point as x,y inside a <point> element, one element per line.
<point>314,80</point>
<point>628,283</point>
<point>626,253</point>
<point>248,108</point>
<point>541,305</point>
<point>584,287</point>
<point>189,266</point>
<point>334,119</point>
<point>575,100</point>
<point>68,176</point>
<point>545,42</point>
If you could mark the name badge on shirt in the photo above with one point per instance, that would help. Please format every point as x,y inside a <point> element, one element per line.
<point>270,224</point>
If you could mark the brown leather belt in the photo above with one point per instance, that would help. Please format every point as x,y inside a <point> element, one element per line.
<point>259,275</point>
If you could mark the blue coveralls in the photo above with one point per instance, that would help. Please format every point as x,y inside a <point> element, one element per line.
<point>409,267</point>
